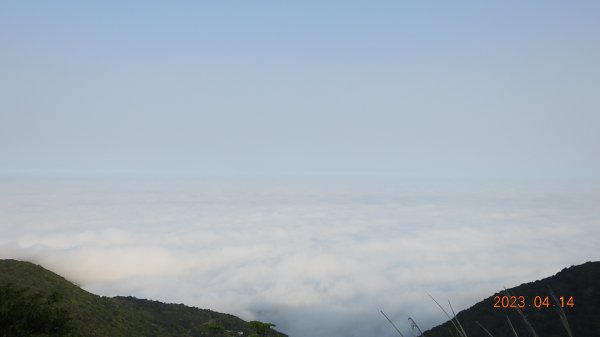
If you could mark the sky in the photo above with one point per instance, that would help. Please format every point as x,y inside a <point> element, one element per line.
<point>307,163</point>
<point>436,89</point>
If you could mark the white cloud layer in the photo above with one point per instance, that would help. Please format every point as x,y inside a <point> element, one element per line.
<point>317,258</point>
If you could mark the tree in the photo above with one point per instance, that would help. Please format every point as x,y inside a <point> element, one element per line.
<point>261,328</point>
<point>27,313</point>
<point>215,328</point>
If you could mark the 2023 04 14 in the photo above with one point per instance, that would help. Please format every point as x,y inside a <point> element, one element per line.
<point>538,302</point>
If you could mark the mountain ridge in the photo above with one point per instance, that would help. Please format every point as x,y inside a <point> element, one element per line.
<point>99,316</point>
<point>581,283</point>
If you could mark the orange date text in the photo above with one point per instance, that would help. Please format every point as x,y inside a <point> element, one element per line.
<point>508,302</point>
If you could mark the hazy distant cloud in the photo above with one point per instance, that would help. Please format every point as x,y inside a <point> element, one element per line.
<point>315,258</point>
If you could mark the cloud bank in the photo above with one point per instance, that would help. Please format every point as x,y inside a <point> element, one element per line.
<point>318,258</point>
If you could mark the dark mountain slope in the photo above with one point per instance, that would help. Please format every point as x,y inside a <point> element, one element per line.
<point>122,316</point>
<point>582,282</point>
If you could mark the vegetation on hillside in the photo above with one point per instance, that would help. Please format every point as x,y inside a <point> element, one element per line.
<point>91,315</point>
<point>37,302</point>
<point>581,317</point>
<point>27,313</point>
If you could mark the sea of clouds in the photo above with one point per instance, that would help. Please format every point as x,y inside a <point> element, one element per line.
<point>317,257</point>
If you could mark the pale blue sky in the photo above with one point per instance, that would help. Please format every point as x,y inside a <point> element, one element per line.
<point>465,89</point>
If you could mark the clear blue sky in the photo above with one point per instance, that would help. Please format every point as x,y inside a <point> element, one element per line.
<point>441,88</point>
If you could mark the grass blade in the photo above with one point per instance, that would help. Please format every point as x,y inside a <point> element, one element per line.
<point>511,326</point>
<point>561,312</point>
<point>484,329</point>
<point>456,318</point>
<point>524,318</point>
<point>392,323</point>
<point>415,327</point>
<point>458,331</point>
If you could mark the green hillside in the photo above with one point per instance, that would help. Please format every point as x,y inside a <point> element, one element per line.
<point>581,282</point>
<point>93,315</point>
